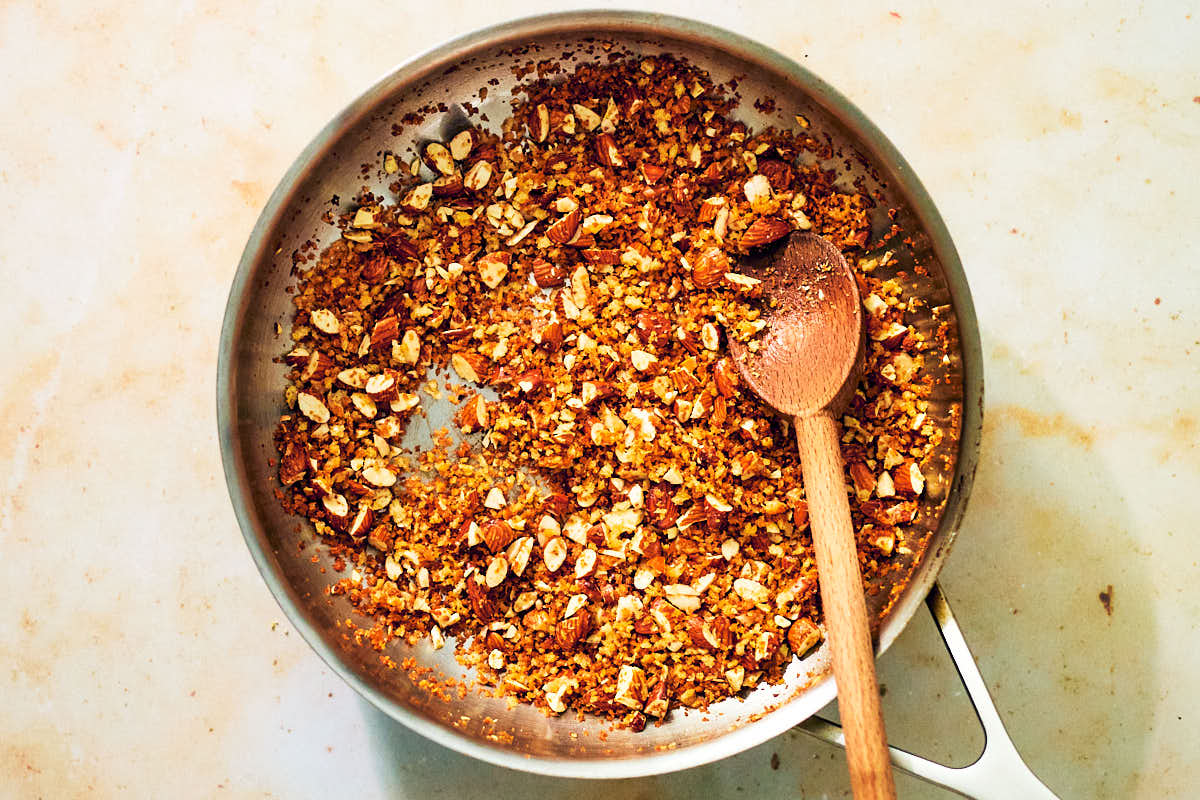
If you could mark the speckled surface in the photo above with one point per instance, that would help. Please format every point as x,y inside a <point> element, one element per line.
<point>141,654</point>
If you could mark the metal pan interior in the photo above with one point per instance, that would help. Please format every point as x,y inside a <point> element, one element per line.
<point>250,382</point>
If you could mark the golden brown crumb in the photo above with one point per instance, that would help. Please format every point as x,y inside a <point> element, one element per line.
<point>627,531</point>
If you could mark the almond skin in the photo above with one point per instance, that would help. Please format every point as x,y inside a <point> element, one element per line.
<point>725,377</point>
<point>362,523</point>
<point>710,634</point>
<point>714,517</point>
<point>660,508</point>
<point>481,602</point>
<point>764,231</point>
<point>316,366</point>
<point>709,208</point>
<point>607,152</point>
<point>294,463</point>
<point>779,173</point>
<point>712,174</point>
<point>552,337</point>
<point>653,328</point>
<point>470,366</point>
<point>658,701</point>
<point>710,268</point>
<point>908,479</point>
<point>385,332</point>
<point>570,631</point>
<point>802,636</point>
<point>564,230</point>
<point>861,475</point>
<point>652,173</point>
<point>497,535</point>
<point>448,185</point>
<point>800,514</point>
<point>375,270</point>
<point>606,257</point>
<point>547,275</point>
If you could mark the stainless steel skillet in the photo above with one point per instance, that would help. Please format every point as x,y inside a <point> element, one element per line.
<point>344,158</point>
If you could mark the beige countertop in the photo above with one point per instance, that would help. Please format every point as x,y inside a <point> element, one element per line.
<point>140,653</point>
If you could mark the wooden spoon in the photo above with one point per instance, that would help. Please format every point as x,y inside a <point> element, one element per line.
<point>806,365</point>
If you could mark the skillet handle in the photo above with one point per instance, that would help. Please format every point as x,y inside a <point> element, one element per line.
<point>998,773</point>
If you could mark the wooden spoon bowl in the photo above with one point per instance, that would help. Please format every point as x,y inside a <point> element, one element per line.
<point>806,364</point>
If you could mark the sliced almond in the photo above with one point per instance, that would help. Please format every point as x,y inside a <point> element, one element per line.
<point>574,604</point>
<point>554,553</point>
<point>875,305</point>
<point>576,528</point>
<point>405,401</point>
<point>354,377</point>
<point>564,230</point>
<point>478,176</point>
<point>524,601</point>
<point>608,123</point>
<point>497,571</point>
<point>365,405</point>
<point>447,186</point>
<point>381,387</point>
<point>408,349</point>
<point>379,476</point>
<point>594,223</point>
<point>631,687</point>
<point>585,564</point>
<point>518,554</point>
<point>461,144</point>
<point>607,151</point>
<point>909,479</point>
<point>751,591</point>
<point>520,235</point>
<point>541,123</point>
<point>683,597</point>
<point>758,191</point>
<point>588,118</point>
<point>493,268</point>
<point>642,579</point>
<point>437,155</point>
<point>642,360</point>
<point>802,636</point>
<point>336,505</point>
<point>466,367</point>
<point>418,197</point>
<point>388,427</point>
<point>495,499</point>
<point>325,321</point>
<point>312,407</point>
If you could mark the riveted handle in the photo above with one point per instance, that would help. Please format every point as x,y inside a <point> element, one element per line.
<point>999,772</point>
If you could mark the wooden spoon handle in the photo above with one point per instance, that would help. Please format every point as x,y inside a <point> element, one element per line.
<point>846,625</point>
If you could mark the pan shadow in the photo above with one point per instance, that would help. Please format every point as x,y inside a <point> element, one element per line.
<point>1054,593</point>
<point>1048,530</point>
